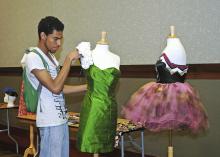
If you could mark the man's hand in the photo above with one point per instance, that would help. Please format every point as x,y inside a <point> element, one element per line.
<point>72,56</point>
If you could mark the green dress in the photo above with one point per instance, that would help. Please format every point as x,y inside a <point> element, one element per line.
<point>98,116</point>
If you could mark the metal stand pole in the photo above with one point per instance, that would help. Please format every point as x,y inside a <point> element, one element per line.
<point>122,146</point>
<point>142,143</point>
<point>170,147</point>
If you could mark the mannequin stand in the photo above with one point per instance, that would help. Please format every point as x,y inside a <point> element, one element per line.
<point>170,147</point>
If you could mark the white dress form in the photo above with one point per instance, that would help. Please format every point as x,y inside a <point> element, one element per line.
<point>9,100</point>
<point>102,57</point>
<point>174,49</point>
<point>177,55</point>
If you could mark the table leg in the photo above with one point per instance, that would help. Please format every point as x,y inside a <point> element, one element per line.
<point>31,149</point>
<point>131,141</point>
<point>122,146</point>
<point>38,145</point>
<point>9,135</point>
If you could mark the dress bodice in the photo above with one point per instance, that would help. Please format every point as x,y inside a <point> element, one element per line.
<point>164,76</point>
<point>102,82</point>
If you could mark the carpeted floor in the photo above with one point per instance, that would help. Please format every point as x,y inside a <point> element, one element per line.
<point>6,153</point>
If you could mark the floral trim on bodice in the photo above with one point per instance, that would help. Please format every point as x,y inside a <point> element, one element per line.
<point>173,68</point>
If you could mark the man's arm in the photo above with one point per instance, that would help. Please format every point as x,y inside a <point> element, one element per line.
<point>74,89</point>
<point>56,85</point>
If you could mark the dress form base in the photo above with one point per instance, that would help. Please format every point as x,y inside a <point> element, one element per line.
<point>95,155</point>
<point>170,151</point>
<point>10,105</point>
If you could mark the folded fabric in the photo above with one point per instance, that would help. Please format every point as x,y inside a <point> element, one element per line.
<point>85,52</point>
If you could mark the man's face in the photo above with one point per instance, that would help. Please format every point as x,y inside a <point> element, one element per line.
<point>53,41</point>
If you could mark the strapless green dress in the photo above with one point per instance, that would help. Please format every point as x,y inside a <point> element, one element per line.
<point>98,116</point>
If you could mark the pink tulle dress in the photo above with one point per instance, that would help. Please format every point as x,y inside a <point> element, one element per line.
<point>169,103</point>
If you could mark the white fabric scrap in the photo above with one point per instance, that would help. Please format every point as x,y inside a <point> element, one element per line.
<point>85,52</point>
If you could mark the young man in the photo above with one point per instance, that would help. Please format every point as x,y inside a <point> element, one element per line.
<point>51,114</point>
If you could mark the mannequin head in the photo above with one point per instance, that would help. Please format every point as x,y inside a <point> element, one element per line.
<point>10,96</point>
<point>9,100</point>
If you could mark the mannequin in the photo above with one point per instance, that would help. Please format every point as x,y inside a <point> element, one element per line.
<point>98,116</point>
<point>10,100</point>
<point>102,57</point>
<point>169,103</point>
<point>10,97</point>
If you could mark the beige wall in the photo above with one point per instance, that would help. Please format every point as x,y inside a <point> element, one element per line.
<point>137,29</point>
<point>203,145</point>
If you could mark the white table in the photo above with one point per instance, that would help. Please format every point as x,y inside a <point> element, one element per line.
<point>3,106</point>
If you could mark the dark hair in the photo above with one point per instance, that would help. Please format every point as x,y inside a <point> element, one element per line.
<point>49,24</point>
<point>10,91</point>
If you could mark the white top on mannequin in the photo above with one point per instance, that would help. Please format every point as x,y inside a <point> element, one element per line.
<point>174,49</point>
<point>103,58</point>
<point>9,100</point>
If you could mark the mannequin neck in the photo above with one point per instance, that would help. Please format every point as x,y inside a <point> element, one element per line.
<point>101,47</point>
<point>173,41</point>
<point>11,103</point>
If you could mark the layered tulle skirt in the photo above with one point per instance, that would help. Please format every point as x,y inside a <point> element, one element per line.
<point>160,107</point>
